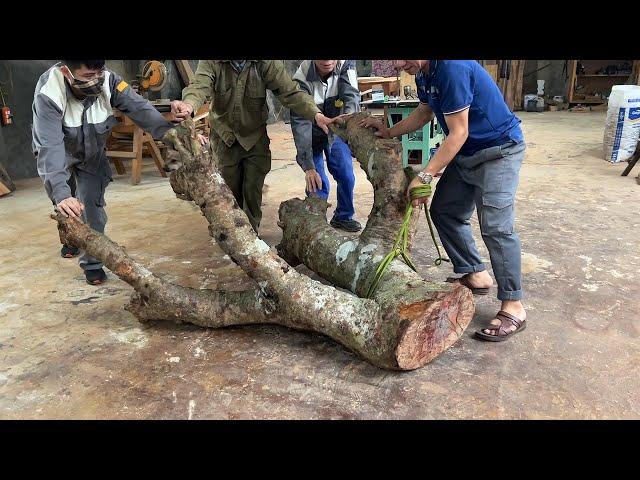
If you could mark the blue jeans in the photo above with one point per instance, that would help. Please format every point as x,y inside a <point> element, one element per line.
<point>486,181</point>
<point>340,165</point>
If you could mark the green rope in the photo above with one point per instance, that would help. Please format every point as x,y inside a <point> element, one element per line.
<point>402,240</point>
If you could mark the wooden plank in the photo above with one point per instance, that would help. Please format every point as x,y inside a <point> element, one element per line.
<point>155,153</point>
<point>119,166</point>
<point>122,128</point>
<point>518,100</point>
<point>407,79</point>
<point>204,109</point>
<point>7,185</point>
<point>510,87</point>
<point>613,75</point>
<point>493,71</point>
<point>4,190</point>
<point>136,164</point>
<point>587,102</point>
<point>365,82</point>
<point>120,154</point>
<point>632,161</point>
<point>572,80</point>
<point>185,71</point>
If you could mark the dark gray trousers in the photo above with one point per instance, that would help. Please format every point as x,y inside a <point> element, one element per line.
<point>486,181</point>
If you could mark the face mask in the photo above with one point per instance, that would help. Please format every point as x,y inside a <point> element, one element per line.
<point>89,88</point>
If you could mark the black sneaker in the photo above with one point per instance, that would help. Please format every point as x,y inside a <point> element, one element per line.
<point>96,276</point>
<point>348,225</point>
<point>69,252</point>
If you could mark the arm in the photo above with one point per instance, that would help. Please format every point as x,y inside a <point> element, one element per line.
<point>48,141</point>
<point>348,87</point>
<point>288,91</point>
<point>202,85</point>
<point>456,93</point>
<point>302,130</point>
<point>458,124</point>
<point>137,107</point>
<point>416,120</point>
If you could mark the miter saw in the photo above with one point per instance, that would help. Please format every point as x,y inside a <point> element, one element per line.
<point>152,79</point>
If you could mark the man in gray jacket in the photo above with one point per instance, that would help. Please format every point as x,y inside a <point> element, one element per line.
<point>72,118</point>
<point>333,85</point>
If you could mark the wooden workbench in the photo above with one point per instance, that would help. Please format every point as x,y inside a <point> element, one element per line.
<point>128,141</point>
<point>390,85</point>
<point>116,144</point>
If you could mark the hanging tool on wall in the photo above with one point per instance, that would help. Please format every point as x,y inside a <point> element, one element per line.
<point>5,111</point>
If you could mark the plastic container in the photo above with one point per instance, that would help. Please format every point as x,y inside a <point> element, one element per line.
<point>533,103</point>
<point>622,125</point>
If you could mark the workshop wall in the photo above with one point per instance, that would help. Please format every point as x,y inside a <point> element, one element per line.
<point>128,69</point>
<point>554,76</point>
<point>19,78</point>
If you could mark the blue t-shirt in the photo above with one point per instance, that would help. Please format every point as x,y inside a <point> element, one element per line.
<point>454,85</point>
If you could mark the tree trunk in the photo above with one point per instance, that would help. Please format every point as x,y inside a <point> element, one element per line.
<point>439,311</point>
<point>388,332</point>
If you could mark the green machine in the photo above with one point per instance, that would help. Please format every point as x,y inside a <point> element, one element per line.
<point>421,144</point>
<point>418,146</point>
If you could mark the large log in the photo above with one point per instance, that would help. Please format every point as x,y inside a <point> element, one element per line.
<point>413,320</point>
<point>388,333</point>
<point>439,310</point>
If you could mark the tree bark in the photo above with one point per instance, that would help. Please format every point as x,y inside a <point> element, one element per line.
<point>439,311</point>
<point>157,299</point>
<point>408,323</point>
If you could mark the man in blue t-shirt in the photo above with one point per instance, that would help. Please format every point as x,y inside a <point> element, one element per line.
<point>483,149</point>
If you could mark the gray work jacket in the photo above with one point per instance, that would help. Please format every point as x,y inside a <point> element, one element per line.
<point>70,132</point>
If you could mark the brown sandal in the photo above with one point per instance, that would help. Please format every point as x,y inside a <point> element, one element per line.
<point>502,332</point>
<point>463,281</point>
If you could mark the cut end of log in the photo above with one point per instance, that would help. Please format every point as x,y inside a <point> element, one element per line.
<point>432,326</point>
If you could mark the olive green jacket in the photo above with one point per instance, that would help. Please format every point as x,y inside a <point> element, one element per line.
<point>239,100</point>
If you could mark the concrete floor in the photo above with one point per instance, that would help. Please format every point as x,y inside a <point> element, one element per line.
<point>69,350</point>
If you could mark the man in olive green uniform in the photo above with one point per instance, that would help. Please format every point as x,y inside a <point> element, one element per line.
<point>238,119</point>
